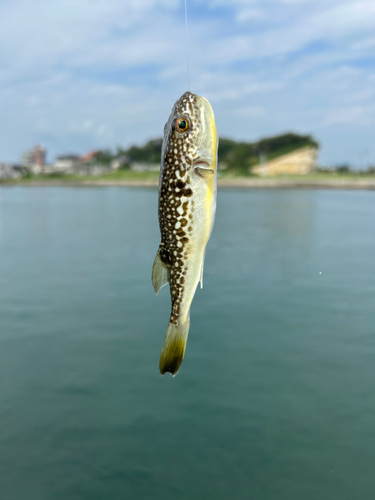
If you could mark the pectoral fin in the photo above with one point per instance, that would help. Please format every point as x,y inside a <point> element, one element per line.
<point>204,172</point>
<point>160,273</point>
<point>202,267</point>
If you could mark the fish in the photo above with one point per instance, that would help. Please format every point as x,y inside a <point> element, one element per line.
<point>186,210</point>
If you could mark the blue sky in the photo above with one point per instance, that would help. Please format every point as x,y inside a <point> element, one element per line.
<point>77,75</point>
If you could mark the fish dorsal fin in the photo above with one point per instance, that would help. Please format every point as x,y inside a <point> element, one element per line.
<point>160,273</point>
<point>205,172</point>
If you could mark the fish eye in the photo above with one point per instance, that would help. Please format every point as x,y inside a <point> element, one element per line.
<point>182,124</point>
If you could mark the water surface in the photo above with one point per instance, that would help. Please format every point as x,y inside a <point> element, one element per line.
<point>275,398</point>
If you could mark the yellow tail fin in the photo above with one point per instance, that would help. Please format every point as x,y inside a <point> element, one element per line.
<point>174,347</point>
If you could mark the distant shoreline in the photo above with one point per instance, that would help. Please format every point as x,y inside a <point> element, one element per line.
<point>236,182</point>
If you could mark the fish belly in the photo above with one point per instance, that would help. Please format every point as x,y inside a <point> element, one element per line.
<point>202,222</point>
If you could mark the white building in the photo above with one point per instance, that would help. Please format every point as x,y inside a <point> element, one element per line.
<point>9,171</point>
<point>34,159</point>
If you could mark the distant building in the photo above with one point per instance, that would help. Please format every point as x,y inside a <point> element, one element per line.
<point>34,159</point>
<point>66,163</point>
<point>301,161</point>
<point>89,156</point>
<point>119,161</point>
<point>10,171</point>
<point>78,165</point>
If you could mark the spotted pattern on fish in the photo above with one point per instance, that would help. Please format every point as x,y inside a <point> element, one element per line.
<point>176,208</point>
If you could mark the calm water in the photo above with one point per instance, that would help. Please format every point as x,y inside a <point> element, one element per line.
<point>276,397</point>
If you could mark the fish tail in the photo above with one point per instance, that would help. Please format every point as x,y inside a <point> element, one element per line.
<point>174,347</point>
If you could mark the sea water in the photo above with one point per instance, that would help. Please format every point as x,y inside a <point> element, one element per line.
<point>276,396</point>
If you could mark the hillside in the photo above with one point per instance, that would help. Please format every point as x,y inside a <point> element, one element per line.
<point>233,155</point>
<point>241,156</point>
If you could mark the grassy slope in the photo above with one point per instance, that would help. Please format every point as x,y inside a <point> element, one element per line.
<point>119,175</point>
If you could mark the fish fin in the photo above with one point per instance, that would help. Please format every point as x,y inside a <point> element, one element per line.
<point>202,267</point>
<point>201,276</point>
<point>160,273</point>
<point>205,172</point>
<point>174,347</point>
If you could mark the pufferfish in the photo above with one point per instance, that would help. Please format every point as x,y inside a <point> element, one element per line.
<point>187,205</point>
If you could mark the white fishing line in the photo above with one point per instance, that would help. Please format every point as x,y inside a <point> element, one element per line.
<point>187,45</point>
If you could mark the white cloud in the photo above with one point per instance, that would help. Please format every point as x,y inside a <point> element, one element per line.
<point>355,115</point>
<point>251,14</point>
<point>250,112</point>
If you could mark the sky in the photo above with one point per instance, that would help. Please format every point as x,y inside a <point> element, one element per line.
<point>77,75</point>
